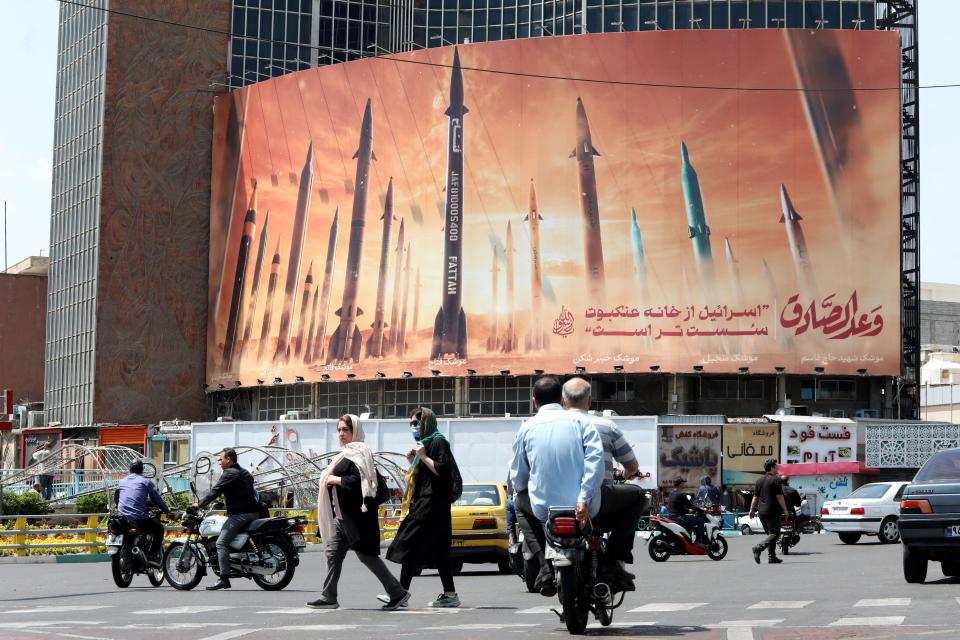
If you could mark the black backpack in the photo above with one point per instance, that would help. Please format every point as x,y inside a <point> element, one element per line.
<point>456,480</point>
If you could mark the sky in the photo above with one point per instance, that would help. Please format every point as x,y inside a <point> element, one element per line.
<point>29,36</point>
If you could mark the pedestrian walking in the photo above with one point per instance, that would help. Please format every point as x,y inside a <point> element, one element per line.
<point>423,538</point>
<point>348,518</point>
<point>40,460</point>
<point>769,503</point>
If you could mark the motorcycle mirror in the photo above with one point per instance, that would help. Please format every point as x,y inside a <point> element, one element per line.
<point>193,488</point>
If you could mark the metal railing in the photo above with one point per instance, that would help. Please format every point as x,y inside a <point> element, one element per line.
<point>94,531</point>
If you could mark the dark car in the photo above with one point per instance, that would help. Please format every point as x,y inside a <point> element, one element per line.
<point>930,517</point>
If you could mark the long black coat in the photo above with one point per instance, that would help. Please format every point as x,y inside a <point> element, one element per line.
<point>362,528</point>
<point>424,534</point>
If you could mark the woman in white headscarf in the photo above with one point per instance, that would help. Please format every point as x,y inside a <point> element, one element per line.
<point>347,515</point>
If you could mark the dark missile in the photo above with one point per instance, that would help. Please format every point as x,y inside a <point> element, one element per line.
<point>394,326</point>
<point>268,303</point>
<point>536,339</point>
<point>697,227</point>
<point>240,280</point>
<point>402,346</point>
<point>255,286</point>
<point>450,326</point>
<point>307,288</point>
<point>509,343</point>
<point>320,341</point>
<point>790,219</point>
<point>311,334</point>
<point>375,343</point>
<point>346,341</point>
<point>296,252</point>
<point>584,151</point>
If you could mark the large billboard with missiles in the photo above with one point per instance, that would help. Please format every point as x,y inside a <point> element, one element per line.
<point>626,201</point>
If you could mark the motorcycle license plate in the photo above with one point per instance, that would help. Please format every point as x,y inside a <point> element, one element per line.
<point>114,541</point>
<point>298,541</point>
<point>953,532</point>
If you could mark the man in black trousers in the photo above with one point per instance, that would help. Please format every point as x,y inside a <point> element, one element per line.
<point>768,501</point>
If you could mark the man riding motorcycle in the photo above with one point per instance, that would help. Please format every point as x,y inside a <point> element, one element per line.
<point>684,512</point>
<point>557,461</point>
<point>134,495</point>
<point>793,499</point>
<point>621,505</point>
<point>243,507</point>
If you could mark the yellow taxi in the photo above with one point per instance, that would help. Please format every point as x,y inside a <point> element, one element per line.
<point>479,520</point>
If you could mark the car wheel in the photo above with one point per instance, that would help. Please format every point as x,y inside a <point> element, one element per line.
<point>745,530</point>
<point>950,569</point>
<point>914,566</point>
<point>889,530</point>
<point>849,538</point>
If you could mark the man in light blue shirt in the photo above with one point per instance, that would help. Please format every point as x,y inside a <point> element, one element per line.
<point>557,462</point>
<point>134,495</point>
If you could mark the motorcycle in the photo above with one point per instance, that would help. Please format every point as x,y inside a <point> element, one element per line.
<point>127,546</point>
<point>523,561</point>
<point>267,551</point>
<point>789,536</point>
<point>669,538</point>
<point>575,554</point>
<point>811,525</point>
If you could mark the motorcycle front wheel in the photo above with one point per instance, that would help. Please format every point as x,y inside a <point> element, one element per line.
<point>784,545</point>
<point>718,550</point>
<point>182,567</point>
<point>659,549</point>
<point>155,574</point>
<point>284,557</point>
<point>576,611</point>
<point>121,565</point>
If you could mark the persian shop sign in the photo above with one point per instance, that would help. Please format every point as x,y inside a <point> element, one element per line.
<point>689,452</point>
<point>745,448</point>
<point>812,441</point>
<point>419,213</point>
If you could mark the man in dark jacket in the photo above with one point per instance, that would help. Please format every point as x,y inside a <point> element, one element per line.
<point>769,503</point>
<point>236,487</point>
<point>688,515</point>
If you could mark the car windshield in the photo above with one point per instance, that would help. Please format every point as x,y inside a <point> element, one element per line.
<point>479,495</point>
<point>870,491</point>
<point>943,466</point>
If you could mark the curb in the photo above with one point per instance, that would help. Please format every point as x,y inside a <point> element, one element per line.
<point>64,559</point>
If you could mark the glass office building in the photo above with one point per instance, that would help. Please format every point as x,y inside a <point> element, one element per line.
<point>75,214</point>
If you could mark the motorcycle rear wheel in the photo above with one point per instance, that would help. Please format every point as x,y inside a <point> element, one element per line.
<point>282,578</point>
<point>659,550</point>
<point>121,565</point>
<point>156,575</point>
<point>718,550</point>
<point>784,545</point>
<point>193,570</point>
<point>575,608</point>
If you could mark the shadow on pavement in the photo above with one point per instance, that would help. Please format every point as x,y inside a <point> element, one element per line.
<point>641,631</point>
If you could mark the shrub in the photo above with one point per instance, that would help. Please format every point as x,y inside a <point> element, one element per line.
<point>93,503</point>
<point>30,503</point>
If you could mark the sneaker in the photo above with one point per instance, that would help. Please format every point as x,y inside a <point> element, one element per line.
<point>774,560</point>
<point>392,605</point>
<point>323,604</point>
<point>756,554</point>
<point>445,601</point>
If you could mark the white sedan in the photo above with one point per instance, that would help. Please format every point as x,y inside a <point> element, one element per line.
<point>748,525</point>
<point>871,510</point>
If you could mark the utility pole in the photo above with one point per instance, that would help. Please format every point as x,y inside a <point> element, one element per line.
<point>4,238</point>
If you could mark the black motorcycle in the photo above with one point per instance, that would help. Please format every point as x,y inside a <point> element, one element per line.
<point>789,535</point>
<point>522,559</point>
<point>575,553</point>
<point>267,551</point>
<point>128,546</point>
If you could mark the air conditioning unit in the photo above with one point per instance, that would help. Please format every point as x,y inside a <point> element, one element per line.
<point>36,419</point>
<point>295,415</point>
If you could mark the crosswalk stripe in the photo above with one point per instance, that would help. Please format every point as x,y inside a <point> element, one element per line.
<point>660,607</point>
<point>740,633</point>
<point>884,602</point>
<point>61,609</point>
<point>747,623</point>
<point>879,621</point>
<point>492,626</point>
<point>294,611</point>
<point>179,611</point>
<point>538,610</point>
<point>622,625</point>
<point>230,635</point>
<point>317,627</point>
<point>781,604</point>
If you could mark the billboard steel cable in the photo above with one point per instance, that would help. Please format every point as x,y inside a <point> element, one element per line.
<point>729,229</point>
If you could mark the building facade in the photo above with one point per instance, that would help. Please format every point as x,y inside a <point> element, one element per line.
<point>23,314</point>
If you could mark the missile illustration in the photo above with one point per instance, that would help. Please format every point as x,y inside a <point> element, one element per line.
<point>493,341</point>
<point>416,312</point>
<point>584,151</point>
<point>307,288</point>
<point>255,285</point>
<point>320,341</point>
<point>268,303</point>
<point>536,339</point>
<point>402,345</point>
<point>697,227</point>
<point>375,342</point>
<point>394,326</point>
<point>636,242</point>
<point>296,252</point>
<point>240,280</point>
<point>345,343</point>
<point>735,281</point>
<point>785,340</point>
<point>308,351</point>
<point>798,243</point>
<point>450,326</point>
<point>510,339</point>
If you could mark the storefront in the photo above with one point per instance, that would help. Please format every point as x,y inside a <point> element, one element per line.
<point>132,436</point>
<point>32,439</point>
<point>169,445</point>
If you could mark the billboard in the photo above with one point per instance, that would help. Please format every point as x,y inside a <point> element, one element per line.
<point>627,200</point>
<point>745,448</point>
<point>690,452</point>
<point>805,439</point>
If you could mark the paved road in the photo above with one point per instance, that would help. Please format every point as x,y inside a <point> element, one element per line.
<point>824,591</point>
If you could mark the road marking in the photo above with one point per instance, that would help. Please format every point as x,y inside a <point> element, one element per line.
<point>621,625</point>
<point>61,609</point>
<point>175,626</point>
<point>318,627</point>
<point>879,621</point>
<point>48,623</point>
<point>179,611</point>
<point>746,623</point>
<point>538,610</point>
<point>667,606</point>
<point>739,633</point>
<point>884,602</point>
<point>229,635</point>
<point>294,611</point>
<point>478,627</point>
<point>781,604</point>
<point>428,612</point>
